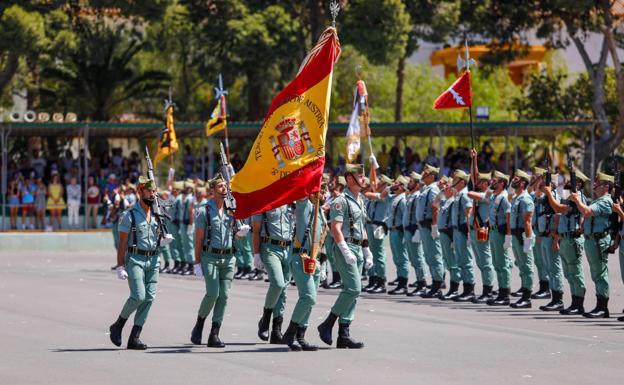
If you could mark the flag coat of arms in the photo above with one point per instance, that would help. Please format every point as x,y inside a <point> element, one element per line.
<point>458,95</point>
<point>218,118</point>
<point>357,127</point>
<point>287,158</point>
<point>168,142</point>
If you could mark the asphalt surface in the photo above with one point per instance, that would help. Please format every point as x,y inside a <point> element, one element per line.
<point>55,310</point>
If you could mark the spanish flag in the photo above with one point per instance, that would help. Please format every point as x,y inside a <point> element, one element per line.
<point>287,158</point>
<point>218,118</point>
<point>167,143</point>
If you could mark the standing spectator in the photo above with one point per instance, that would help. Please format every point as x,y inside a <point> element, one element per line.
<point>38,163</point>
<point>28,203</point>
<point>93,202</point>
<point>396,162</point>
<point>431,158</point>
<point>189,162</point>
<point>56,203</point>
<point>383,158</point>
<point>415,164</point>
<point>111,186</point>
<point>73,202</point>
<point>14,201</point>
<point>67,162</point>
<point>40,203</point>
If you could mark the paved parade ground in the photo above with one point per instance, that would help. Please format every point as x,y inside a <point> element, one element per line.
<point>55,309</point>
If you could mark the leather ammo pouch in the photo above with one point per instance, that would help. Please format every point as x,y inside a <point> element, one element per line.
<point>448,231</point>
<point>463,228</point>
<point>482,234</point>
<point>426,223</point>
<point>501,229</point>
<point>309,263</point>
<point>411,228</point>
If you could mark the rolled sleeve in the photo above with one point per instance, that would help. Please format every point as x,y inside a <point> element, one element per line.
<point>125,223</point>
<point>336,210</point>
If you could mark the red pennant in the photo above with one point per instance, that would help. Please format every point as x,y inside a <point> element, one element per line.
<point>458,95</point>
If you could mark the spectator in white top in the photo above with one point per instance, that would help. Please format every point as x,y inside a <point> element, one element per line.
<point>73,202</point>
<point>38,163</point>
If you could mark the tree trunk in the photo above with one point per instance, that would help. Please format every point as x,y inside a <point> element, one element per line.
<point>398,103</point>
<point>10,68</point>
<point>254,96</point>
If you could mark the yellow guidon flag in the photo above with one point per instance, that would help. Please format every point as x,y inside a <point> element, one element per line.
<point>167,143</point>
<point>287,158</point>
<point>218,118</point>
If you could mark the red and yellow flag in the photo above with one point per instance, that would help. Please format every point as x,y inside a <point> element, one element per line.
<point>287,158</point>
<point>168,142</point>
<point>218,118</point>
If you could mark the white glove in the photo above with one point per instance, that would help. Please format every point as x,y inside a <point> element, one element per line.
<point>197,268</point>
<point>166,239</point>
<point>507,243</point>
<point>434,231</point>
<point>373,162</point>
<point>346,252</point>
<point>258,262</point>
<point>526,246</point>
<point>323,271</point>
<point>368,258</point>
<point>243,231</point>
<point>171,174</point>
<point>379,232</point>
<point>416,236</point>
<point>121,273</point>
<point>190,230</point>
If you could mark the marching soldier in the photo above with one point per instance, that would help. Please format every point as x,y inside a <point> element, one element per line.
<point>598,240</point>
<point>272,247</point>
<point>459,219</point>
<point>479,232</point>
<point>336,283</point>
<point>426,215</point>
<point>522,208</point>
<point>571,242</point>
<point>412,238</point>
<point>177,251</point>
<point>540,262</point>
<point>396,207</point>
<point>244,254</point>
<point>376,230</point>
<point>548,238</point>
<point>445,202</point>
<point>348,220</point>
<point>617,208</point>
<point>165,250</point>
<point>138,262</point>
<point>187,229</point>
<point>307,281</point>
<point>214,260</point>
<point>500,237</point>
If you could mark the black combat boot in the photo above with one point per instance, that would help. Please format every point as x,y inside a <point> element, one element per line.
<point>502,299</point>
<point>277,338</point>
<point>380,288</point>
<point>435,291</point>
<point>176,267</point>
<point>543,292</point>
<point>239,272</point>
<point>621,319</point>
<point>452,293</point>
<point>524,302</point>
<point>372,282</point>
<point>213,338</point>
<point>290,335</point>
<point>344,339</point>
<point>305,346</point>
<point>468,295</point>
<point>601,310</point>
<point>336,281</point>
<point>115,331</point>
<point>257,275</point>
<point>189,269</point>
<point>420,289</point>
<point>134,343</point>
<point>401,288</point>
<point>164,269</point>
<point>246,272</point>
<point>394,283</point>
<point>517,293</point>
<point>263,324</point>
<point>556,304</point>
<point>485,296</point>
<point>196,333</point>
<point>325,328</point>
<point>576,308</point>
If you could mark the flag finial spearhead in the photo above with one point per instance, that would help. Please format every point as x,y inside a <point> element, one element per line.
<point>334,8</point>
<point>220,91</point>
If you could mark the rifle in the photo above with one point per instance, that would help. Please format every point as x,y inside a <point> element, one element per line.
<point>548,210</point>
<point>573,208</point>
<point>227,173</point>
<point>614,218</point>
<point>157,207</point>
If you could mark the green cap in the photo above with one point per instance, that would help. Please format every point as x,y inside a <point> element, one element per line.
<point>521,174</point>
<point>498,174</point>
<point>216,180</point>
<point>147,183</point>
<point>415,176</point>
<point>354,169</point>
<point>430,169</point>
<point>342,181</point>
<point>178,185</point>
<point>581,176</point>
<point>605,177</point>
<point>385,179</point>
<point>461,175</point>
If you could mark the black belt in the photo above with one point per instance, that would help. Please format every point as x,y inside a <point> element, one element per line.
<point>397,228</point>
<point>426,223</point>
<point>145,253</point>
<point>275,242</point>
<point>213,250</point>
<point>570,234</point>
<point>298,250</point>
<point>597,236</point>
<point>357,242</point>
